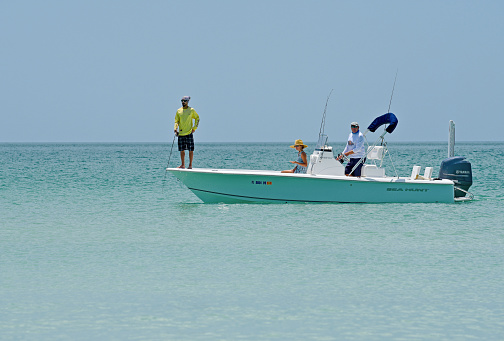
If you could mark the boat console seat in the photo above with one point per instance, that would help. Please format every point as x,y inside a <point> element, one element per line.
<point>375,153</point>
<point>373,171</point>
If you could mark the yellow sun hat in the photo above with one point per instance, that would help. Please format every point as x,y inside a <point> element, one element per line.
<point>299,143</point>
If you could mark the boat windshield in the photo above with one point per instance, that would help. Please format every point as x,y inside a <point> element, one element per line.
<point>322,142</point>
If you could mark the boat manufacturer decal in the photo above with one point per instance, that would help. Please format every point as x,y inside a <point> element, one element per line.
<point>394,189</point>
<point>262,183</point>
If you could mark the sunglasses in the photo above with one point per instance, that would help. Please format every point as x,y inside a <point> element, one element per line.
<point>184,100</point>
<point>355,126</point>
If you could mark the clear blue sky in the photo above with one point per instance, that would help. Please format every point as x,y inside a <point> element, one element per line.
<point>257,71</point>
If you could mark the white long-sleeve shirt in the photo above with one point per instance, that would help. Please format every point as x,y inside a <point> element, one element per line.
<point>356,144</point>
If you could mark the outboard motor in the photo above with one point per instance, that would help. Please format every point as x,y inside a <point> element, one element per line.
<point>459,171</point>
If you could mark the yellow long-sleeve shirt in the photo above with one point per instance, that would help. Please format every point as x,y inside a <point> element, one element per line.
<point>184,121</point>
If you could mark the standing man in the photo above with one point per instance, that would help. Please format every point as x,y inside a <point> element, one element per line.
<point>184,123</point>
<point>355,150</point>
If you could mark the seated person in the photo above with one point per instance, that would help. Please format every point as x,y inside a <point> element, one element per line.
<point>301,162</point>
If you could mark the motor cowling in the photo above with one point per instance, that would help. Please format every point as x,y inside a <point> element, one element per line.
<point>459,171</point>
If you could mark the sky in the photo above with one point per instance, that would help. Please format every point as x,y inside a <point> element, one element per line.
<point>256,71</point>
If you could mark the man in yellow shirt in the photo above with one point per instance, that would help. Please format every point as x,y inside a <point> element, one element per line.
<point>184,129</point>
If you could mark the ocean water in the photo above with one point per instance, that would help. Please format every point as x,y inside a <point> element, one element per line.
<point>98,243</point>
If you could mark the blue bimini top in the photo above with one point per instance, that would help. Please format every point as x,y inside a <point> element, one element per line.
<point>388,118</point>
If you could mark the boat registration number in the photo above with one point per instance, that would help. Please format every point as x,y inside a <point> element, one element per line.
<point>262,183</point>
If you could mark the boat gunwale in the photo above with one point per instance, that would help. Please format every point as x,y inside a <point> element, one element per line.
<point>386,179</point>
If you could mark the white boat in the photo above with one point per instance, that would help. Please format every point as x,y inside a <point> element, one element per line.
<point>325,181</point>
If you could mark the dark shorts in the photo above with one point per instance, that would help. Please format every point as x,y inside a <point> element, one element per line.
<point>186,142</point>
<point>351,164</point>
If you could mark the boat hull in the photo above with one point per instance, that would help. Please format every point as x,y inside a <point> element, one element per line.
<point>246,186</point>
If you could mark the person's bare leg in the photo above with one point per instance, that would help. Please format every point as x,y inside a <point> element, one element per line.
<point>182,157</point>
<point>191,153</point>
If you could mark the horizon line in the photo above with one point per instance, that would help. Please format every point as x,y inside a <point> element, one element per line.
<point>239,142</point>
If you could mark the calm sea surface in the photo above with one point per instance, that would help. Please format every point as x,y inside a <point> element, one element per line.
<point>98,243</point>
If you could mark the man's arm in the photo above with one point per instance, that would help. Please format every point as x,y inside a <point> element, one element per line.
<point>177,121</point>
<point>196,120</point>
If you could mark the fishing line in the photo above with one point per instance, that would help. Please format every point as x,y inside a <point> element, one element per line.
<point>171,150</point>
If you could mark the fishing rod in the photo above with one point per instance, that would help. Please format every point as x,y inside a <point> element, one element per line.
<point>390,103</point>
<point>391,95</point>
<point>383,143</point>
<point>321,143</point>
<point>322,124</point>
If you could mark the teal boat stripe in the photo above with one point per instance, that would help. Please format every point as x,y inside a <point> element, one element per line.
<point>270,199</point>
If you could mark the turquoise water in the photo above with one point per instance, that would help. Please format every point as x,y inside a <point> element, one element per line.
<point>97,243</point>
